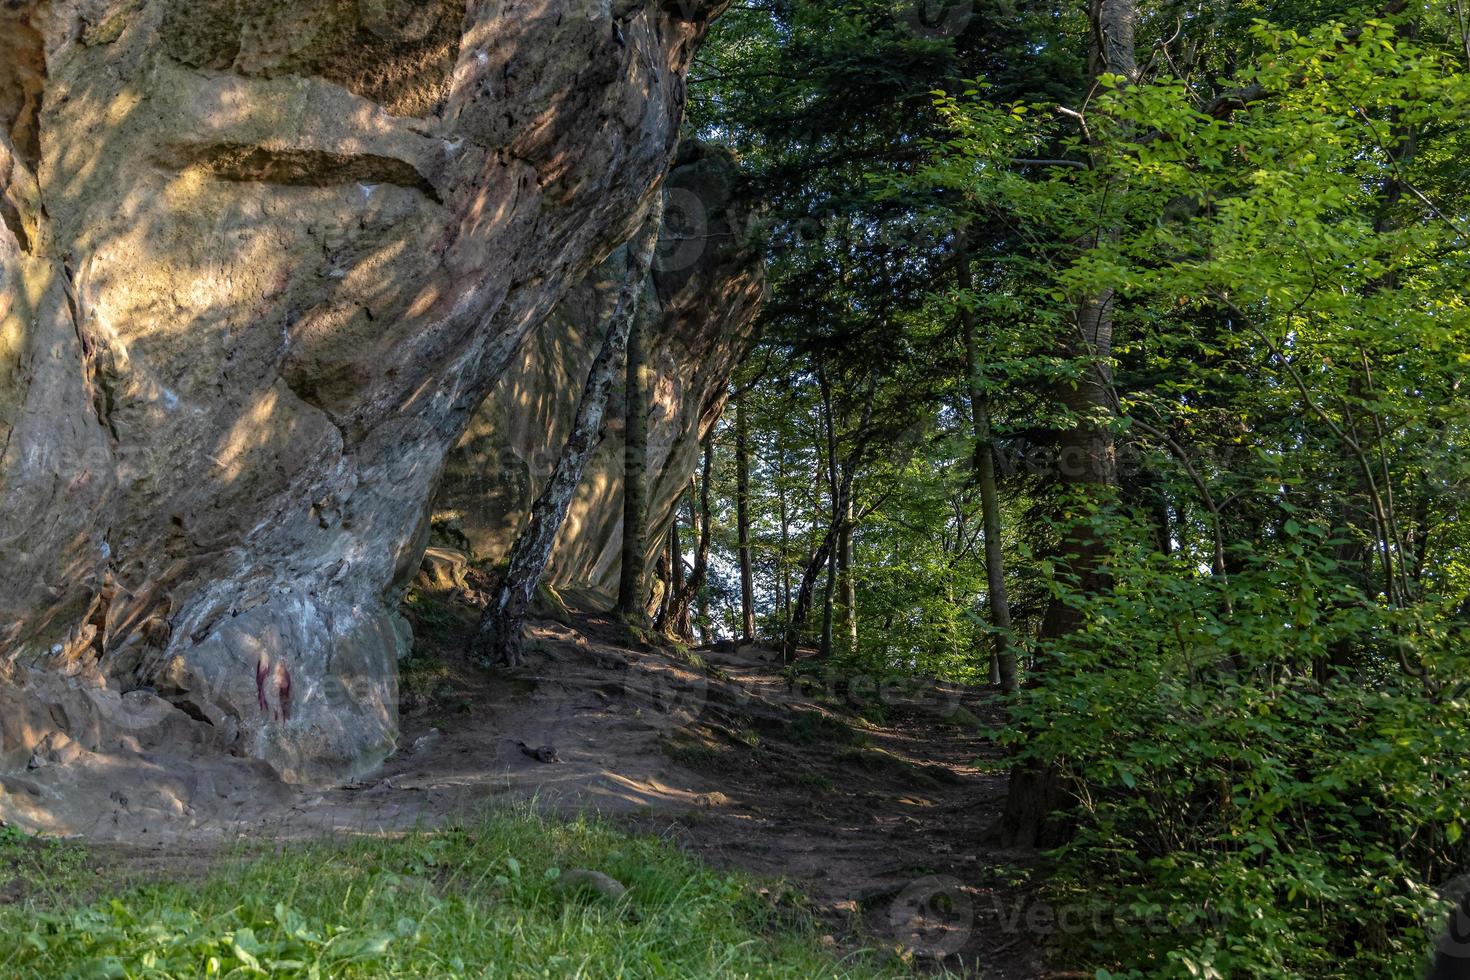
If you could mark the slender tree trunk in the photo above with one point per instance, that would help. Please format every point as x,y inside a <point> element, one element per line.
<point>1087,461</point>
<point>706,538</point>
<point>742,511</point>
<point>785,556</point>
<point>635,475</point>
<point>667,615</point>
<point>843,476</point>
<point>498,638</point>
<point>663,576</point>
<point>681,624</point>
<point>848,579</point>
<point>706,534</point>
<point>824,645</point>
<point>1158,505</point>
<point>685,598</point>
<point>804,597</point>
<point>1003,656</point>
<point>829,599</point>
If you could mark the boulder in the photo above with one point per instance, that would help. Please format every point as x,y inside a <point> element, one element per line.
<point>260,262</point>
<point>442,569</point>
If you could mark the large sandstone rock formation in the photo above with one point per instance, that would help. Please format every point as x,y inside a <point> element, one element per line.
<point>259,263</point>
<point>699,309</point>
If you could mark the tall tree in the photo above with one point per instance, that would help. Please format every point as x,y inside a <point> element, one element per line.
<point>847,581</point>
<point>1086,455</point>
<point>997,599</point>
<point>631,595</point>
<point>681,622</point>
<point>1086,459</point>
<point>742,520</point>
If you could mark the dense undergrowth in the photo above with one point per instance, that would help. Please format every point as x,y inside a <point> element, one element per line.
<point>488,899</point>
<point>1245,806</point>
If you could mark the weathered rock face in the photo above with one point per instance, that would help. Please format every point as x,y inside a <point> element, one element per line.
<point>699,304</point>
<point>259,263</point>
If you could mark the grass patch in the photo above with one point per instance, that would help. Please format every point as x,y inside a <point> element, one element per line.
<point>815,728</point>
<point>550,605</point>
<point>486,900</point>
<point>423,676</point>
<point>434,619</point>
<point>991,767</point>
<point>813,780</point>
<point>874,760</point>
<point>690,657</point>
<point>41,870</point>
<point>700,754</point>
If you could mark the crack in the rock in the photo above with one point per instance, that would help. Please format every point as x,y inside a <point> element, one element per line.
<point>306,168</point>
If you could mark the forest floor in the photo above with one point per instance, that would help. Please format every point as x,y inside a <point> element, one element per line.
<point>869,797</point>
<point>872,801</point>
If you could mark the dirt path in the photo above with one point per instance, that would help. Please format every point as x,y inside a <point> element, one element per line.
<point>871,802</point>
<point>876,813</point>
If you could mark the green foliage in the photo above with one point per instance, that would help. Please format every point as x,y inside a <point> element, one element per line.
<point>479,901</point>
<point>1262,723</point>
<point>1261,715</point>
<point>49,868</point>
<point>434,618</point>
<point>1238,815</point>
<point>827,104</point>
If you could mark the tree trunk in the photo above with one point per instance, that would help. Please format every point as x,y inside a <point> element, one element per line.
<point>669,611</point>
<point>841,477</point>
<point>685,598</point>
<point>706,537</point>
<point>848,583</point>
<point>498,638</point>
<point>804,597</point>
<point>1158,507</point>
<point>1086,459</point>
<point>1087,464</point>
<point>662,576</point>
<point>829,598</point>
<point>635,476</point>
<point>742,511</point>
<point>1003,656</point>
<point>681,621</point>
<point>824,645</point>
<point>784,558</point>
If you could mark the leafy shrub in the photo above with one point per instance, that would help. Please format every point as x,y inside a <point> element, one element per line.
<point>1244,811</point>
